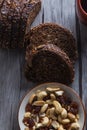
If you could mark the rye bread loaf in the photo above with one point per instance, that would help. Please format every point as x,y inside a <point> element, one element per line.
<point>55,34</point>
<point>15,18</point>
<point>47,63</point>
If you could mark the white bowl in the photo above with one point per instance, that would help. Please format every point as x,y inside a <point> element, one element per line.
<point>73,95</point>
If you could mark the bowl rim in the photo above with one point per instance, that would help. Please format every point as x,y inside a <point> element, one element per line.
<point>83,11</point>
<point>37,86</point>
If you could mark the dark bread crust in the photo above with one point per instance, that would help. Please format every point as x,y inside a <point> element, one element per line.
<point>14,15</point>
<point>55,34</point>
<point>47,63</point>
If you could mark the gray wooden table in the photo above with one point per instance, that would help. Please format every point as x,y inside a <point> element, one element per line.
<point>13,84</point>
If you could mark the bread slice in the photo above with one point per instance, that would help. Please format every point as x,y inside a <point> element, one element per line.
<point>55,34</point>
<point>15,18</point>
<point>47,63</point>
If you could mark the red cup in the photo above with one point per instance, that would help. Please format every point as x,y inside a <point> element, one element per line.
<point>81,13</point>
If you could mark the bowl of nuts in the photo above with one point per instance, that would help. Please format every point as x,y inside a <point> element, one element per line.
<point>51,106</point>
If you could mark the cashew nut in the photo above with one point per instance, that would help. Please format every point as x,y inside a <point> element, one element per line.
<point>71,116</point>
<point>75,126</point>
<point>61,128</point>
<point>38,125</point>
<point>59,119</point>
<point>27,114</point>
<point>51,113</point>
<point>41,95</point>
<point>52,89</point>
<point>49,102</point>
<point>65,121</point>
<point>64,113</point>
<point>77,116</point>
<point>38,103</point>
<point>31,98</point>
<point>58,107</point>
<point>50,122</point>
<point>53,97</point>
<point>27,128</point>
<point>55,124</point>
<point>42,115</point>
<point>59,93</point>
<point>45,121</point>
<point>44,108</point>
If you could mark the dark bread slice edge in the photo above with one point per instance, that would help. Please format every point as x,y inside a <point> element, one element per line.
<point>31,10</point>
<point>5,25</point>
<point>15,23</point>
<point>70,50</point>
<point>33,13</point>
<point>52,48</point>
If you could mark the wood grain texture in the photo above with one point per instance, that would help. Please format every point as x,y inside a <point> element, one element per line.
<point>13,84</point>
<point>83,36</point>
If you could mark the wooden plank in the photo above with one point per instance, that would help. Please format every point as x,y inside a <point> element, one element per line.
<point>69,21</point>
<point>9,88</point>
<point>68,15</point>
<point>52,11</point>
<point>24,84</point>
<point>83,34</point>
<point>38,19</point>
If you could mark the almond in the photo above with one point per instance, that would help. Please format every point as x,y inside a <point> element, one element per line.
<point>44,108</point>
<point>38,103</point>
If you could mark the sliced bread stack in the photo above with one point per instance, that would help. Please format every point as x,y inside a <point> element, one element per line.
<point>51,54</point>
<point>15,18</point>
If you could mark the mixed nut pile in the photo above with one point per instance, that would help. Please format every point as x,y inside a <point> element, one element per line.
<point>51,109</point>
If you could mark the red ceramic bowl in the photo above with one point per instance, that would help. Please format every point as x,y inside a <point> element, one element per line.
<point>82,14</point>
